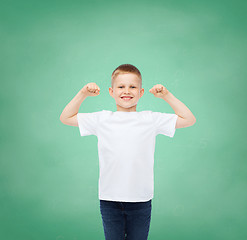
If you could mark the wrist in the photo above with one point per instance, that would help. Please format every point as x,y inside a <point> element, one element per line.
<point>82,94</point>
<point>167,96</point>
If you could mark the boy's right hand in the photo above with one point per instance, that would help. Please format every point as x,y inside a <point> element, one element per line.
<point>90,90</point>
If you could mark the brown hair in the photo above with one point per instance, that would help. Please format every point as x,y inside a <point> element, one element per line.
<point>125,68</point>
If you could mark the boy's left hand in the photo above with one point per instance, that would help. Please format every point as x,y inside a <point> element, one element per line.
<point>159,91</point>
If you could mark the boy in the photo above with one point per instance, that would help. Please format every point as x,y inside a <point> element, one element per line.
<point>126,143</point>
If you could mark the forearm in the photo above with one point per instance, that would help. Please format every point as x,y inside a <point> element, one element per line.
<point>179,108</point>
<point>73,106</point>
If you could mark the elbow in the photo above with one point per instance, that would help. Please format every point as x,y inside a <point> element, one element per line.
<point>61,119</point>
<point>193,121</point>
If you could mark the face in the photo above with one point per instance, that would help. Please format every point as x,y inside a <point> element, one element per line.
<point>128,85</point>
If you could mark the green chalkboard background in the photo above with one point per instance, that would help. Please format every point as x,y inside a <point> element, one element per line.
<point>49,173</point>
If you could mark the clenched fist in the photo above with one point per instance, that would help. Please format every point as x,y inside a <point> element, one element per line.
<point>91,90</point>
<point>159,91</point>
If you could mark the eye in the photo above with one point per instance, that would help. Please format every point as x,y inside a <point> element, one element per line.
<point>121,87</point>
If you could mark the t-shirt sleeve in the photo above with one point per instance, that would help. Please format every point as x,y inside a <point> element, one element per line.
<point>88,123</point>
<point>164,123</point>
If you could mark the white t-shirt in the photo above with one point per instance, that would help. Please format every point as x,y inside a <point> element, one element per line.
<point>126,145</point>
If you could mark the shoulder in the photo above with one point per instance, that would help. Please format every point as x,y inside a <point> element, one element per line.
<point>90,115</point>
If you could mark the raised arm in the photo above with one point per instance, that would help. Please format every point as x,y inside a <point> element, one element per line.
<point>69,114</point>
<point>185,116</point>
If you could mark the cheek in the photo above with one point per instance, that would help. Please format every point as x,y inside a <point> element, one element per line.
<point>118,92</point>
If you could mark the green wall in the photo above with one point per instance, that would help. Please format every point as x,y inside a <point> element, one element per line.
<point>49,173</point>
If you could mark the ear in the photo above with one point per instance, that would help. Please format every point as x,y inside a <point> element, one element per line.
<point>141,92</point>
<point>111,91</point>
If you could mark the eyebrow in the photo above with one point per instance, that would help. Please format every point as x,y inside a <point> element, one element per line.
<point>133,84</point>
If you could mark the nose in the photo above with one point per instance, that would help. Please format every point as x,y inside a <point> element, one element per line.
<point>126,90</point>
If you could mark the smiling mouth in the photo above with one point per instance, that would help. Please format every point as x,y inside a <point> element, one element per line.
<point>126,98</point>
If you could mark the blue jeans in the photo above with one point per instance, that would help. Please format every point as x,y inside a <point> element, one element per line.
<point>126,220</point>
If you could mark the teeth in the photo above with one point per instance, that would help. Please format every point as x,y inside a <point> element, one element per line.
<point>126,98</point>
